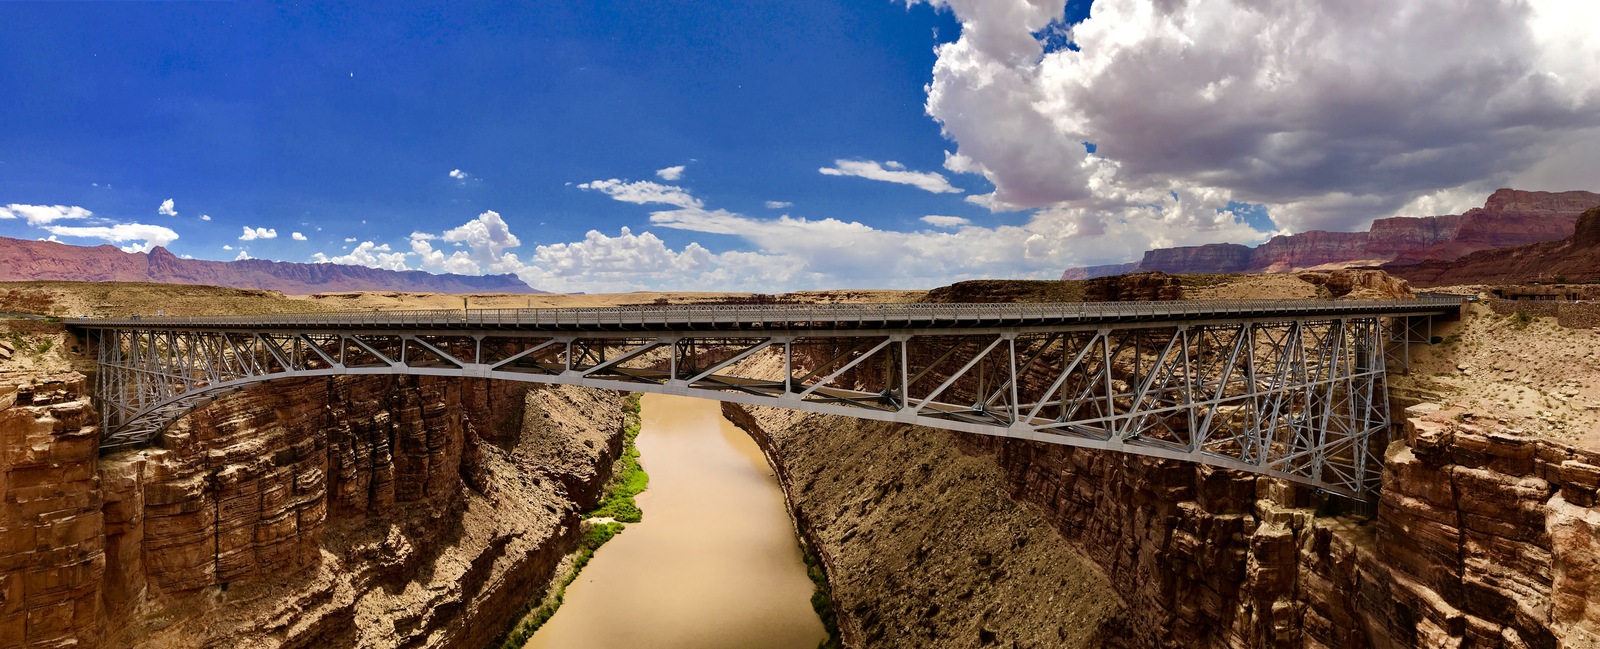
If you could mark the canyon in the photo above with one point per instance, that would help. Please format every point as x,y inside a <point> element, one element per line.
<point>49,260</point>
<point>404,511</point>
<point>1483,538</point>
<point>373,512</point>
<point>1509,217</point>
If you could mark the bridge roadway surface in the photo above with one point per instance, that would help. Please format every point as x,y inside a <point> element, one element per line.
<point>796,318</point>
<point>1289,388</point>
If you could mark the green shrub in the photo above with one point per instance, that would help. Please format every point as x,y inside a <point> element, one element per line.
<point>533,618</point>
<point>630,479</point>
<point>822,600</point>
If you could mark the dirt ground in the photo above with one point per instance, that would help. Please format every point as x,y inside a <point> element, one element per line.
<point>1254,287</point>
<point>1528,373</point>
<point>99,299</point>
<point>933,551</point>
<point>73,299</point>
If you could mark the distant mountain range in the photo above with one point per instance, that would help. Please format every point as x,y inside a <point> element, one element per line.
<point>1508,218</point>
<point>23,260</point>
<point>1575,258</point>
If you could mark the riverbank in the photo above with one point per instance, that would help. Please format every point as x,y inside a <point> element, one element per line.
<point>713,565</point>
<point>923,545</point>
<point>617,507</point>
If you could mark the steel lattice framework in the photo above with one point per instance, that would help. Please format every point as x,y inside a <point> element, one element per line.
<point>1287,389</point>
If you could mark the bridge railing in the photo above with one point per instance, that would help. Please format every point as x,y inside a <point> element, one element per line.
<point>857,313</point>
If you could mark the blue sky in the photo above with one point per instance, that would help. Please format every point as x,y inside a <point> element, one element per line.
<point>821,143</point>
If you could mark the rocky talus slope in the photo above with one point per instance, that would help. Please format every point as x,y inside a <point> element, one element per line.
<point>370,511</point>
<point>922,544</point>
<point>1508,217</point>
<point>48,260</point>
<point>1483,538</point>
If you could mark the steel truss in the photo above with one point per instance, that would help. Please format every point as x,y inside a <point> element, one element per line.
<point>1301,399</point>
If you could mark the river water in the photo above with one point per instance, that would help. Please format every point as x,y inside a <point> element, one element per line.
<point>714,564</point>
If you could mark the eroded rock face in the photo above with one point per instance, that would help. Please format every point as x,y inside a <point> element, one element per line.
<point>1483,538</point>
<point>353,511</point>
<point>1315,248</point>
<point>1463,551</point>
<point>1215,258</point>
<point>52,550</point>
<point>1134,287</point>
<point>48,260</point>
<point>1360,284</point>
<point>1575,258</point>
<point>1508,217</point>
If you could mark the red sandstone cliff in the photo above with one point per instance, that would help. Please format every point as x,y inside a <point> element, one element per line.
<point>22,260</point>
<point>340,512</point>
<point>1509,217</point>
<point>1484,538</point>
<point>1575,258</point>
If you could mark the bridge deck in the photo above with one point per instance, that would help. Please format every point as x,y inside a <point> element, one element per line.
<point>1288,388</point>
<point>796,317</point>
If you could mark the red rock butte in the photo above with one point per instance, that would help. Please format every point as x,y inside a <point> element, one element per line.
<point>1509,218</point>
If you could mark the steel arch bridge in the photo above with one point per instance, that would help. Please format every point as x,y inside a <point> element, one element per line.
<point>1292,389</point>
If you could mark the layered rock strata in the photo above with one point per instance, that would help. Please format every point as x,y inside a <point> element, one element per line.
<point>1483,538</point>
<point>49,260</point>
<point>1508,217</point>
<point>371,511</point>
<point>52,539</point>
<point>1574,258</point>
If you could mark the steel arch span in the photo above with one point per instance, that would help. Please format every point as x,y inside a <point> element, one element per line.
<point>1299,396</point>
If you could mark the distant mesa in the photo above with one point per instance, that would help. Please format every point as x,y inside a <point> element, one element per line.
<point>1509,218</point>
<point>1574,259</point>
<point>25,260</point>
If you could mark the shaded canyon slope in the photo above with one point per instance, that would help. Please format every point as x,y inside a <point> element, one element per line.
<point>1575,258</point>
<point>1485,535</point>
<point>47,260</point>
<point>1508,218</point>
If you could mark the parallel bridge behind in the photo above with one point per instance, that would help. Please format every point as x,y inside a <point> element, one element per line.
<point>1289,388</point>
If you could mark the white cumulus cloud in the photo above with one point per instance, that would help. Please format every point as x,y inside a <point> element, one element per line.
<point>459,175</point>
<point>891,172</point>
<point>297,236</point>
<point>642,192</point>
<point>168,208</point>
<point>938,221</point>
<point>488,237</point>
<point>251,234</point>
<point>1331,114</point>
<point>37,215</point>
<point>367,254</point>
<point>146,237</point>
<point>205,217</point>
<point>671,173</point>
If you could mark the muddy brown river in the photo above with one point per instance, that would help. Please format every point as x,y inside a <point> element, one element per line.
<point>714,564</point>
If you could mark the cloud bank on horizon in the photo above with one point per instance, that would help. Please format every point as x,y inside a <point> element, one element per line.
<point>1147,124</point>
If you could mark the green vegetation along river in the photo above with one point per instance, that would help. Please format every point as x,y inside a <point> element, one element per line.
<point>714,564</point>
